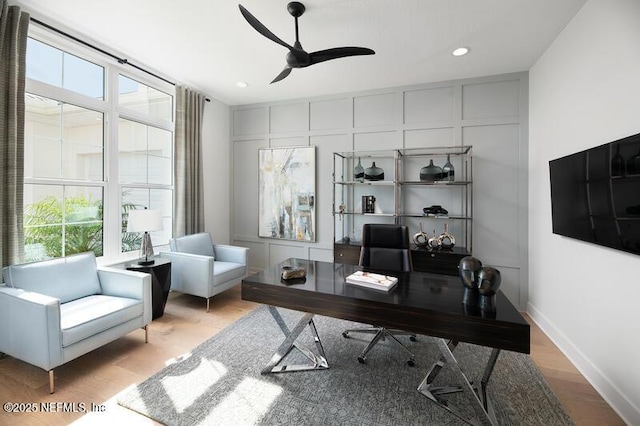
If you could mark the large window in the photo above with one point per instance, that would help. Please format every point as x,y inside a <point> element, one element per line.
<point>98,143</point>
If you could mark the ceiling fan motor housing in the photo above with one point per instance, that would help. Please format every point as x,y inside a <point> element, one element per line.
<point>296,9</point>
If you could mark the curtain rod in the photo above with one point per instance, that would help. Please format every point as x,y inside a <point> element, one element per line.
<point>122,61</point>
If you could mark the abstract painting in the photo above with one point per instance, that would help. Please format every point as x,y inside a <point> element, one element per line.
<point>287,186</point>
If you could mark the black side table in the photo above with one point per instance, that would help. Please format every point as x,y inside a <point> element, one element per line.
<point>160,273</point>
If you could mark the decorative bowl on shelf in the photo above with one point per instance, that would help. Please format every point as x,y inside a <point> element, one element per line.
<point>435,210</point>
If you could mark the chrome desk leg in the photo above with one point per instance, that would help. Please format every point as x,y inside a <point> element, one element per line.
<point>484,413</point>
<point>318,360</point>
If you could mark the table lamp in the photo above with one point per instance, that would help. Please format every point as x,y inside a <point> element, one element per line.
<point>145,221</point>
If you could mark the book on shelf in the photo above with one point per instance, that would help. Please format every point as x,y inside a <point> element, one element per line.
<point>371,280</point>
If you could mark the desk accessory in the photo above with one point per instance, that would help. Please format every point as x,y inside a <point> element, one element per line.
<point>290,272</point>
<point>481,285</point>
<point>371,280</point>
<point>489,280</point>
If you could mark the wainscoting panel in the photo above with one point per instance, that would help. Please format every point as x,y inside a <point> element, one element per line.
<point>495,190</point>
<point>323,255</point>
<point>288,118</point>
<point>429,137</point>
<point>284,142</point>
<point>245,186</point>
<point>377,141</point>
<point>250,121</point>
<point>375,110</point>
<point>325,147</point>
<point>498,99</point>
<point>330,114</point>
<point>257,253</point>
<point>279,252</point>
<point>428,106</point>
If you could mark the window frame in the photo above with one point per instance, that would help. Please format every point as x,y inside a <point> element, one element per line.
<point>109,106</point>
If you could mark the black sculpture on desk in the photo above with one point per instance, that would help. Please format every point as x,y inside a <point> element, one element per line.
<point>489,284</point>
<point>481,285</point>
<point>469,268</point>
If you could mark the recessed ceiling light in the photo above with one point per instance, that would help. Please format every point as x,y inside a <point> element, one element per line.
<point>461,51</point>
<point>242,84</point>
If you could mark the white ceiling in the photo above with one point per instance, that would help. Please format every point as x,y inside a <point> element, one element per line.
<point>208,45</point>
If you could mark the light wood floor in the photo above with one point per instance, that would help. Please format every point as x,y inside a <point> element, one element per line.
<point>101,375</point>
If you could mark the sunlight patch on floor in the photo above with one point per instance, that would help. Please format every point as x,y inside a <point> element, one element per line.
<point>179,358</point>
<point>246,404</point>
<point>184,390</point>
<point>115,414</point>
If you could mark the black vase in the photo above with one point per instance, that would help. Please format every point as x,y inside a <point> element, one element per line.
<point>448,172</point>
<point>431,172</point>
<point>373,172</point>
<point>358,172</point>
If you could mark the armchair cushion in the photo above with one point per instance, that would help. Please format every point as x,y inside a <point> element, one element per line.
<point>68,278</point>
<point>227,271</point>
<point>193,244</point>
<point>91,315</point>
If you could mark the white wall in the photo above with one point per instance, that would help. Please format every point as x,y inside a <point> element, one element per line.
<point>489,113</point>
<point>217,171</point>
<point>585,91</point>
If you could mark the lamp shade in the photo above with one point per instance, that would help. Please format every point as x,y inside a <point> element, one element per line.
<point>144,220</point>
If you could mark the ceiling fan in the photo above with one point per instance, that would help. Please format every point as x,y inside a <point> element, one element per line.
<point>297,57</point>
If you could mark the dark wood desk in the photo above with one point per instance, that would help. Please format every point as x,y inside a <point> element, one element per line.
<point>421,303</point>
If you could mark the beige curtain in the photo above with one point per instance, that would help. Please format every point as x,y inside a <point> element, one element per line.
<point>13,49</point>
<point>188,203</point>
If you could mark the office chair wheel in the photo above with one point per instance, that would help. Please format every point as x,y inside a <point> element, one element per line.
<point>410,363</point>
<point>413,338</point>
<point>345,334</point>
<point>361,359</point>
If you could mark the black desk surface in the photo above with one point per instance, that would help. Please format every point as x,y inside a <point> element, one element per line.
<point>422,303</point>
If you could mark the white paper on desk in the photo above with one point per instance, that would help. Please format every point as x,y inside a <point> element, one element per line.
<point>371,280</point>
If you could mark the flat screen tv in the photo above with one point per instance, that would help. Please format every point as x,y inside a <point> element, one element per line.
<point>595,195</point>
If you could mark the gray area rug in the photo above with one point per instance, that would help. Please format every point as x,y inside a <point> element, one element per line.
<point>219,382</point>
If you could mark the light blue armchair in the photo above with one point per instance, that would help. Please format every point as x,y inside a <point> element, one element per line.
<point>204,269</point>
<point>54,311</point>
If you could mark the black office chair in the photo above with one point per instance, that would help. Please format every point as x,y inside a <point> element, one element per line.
<point>385,248</point>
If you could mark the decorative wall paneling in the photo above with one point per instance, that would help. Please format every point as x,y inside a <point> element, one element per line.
<point>489,113</point>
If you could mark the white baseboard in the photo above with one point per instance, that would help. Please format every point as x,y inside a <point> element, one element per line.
<point>609,391</point>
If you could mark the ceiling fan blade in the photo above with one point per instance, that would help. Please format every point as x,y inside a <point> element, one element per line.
<point>285,72</point>
<point>338,52</point>
<point>257,25</point>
